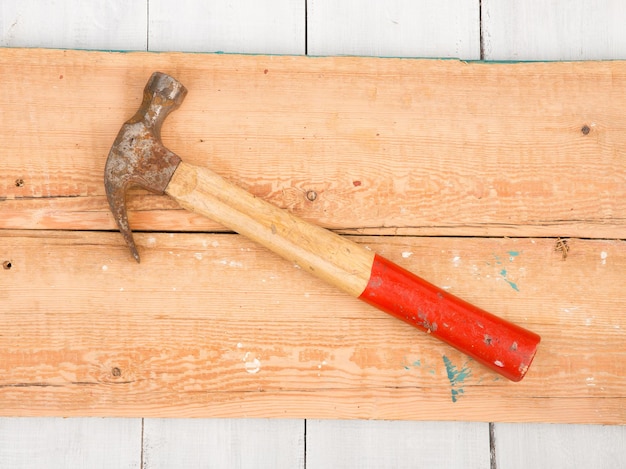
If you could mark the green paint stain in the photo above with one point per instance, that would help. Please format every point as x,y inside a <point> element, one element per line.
<point>513,285</point>
<point>456,377</point>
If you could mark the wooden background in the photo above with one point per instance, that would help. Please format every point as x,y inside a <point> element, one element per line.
<point>469,30</point>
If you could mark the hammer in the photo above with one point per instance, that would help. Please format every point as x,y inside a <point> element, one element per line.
<point>138,158</point>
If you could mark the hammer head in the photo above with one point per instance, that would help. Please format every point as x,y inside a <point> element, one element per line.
<point>137,157</point>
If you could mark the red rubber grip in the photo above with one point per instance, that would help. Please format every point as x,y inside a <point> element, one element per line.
<point>504,347</point>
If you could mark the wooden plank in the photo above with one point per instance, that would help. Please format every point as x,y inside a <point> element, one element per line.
<point>213,326</point>
<point>539,30</point>
<point>571,446</point>
<point>397,28</point>
<point>111,25</point>
<point>73,442</point>
<point>390,146</point>
<point>376,444</point>
<point>253,443</point>
<point>251,26</point>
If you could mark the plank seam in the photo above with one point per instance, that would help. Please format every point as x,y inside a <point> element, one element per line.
<point>141,460</point>
<point>481,30</point>
<point>493,464</point>
<point>306,27</point>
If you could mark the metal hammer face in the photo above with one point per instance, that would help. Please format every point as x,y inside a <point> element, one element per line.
<point>137,157</point>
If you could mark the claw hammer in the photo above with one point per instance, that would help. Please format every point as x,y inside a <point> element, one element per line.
<point>138,158</point>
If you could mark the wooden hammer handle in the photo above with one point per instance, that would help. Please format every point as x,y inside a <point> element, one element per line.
<point>502,346</point>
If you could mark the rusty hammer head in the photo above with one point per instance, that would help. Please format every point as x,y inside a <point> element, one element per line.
<point>137,157</point>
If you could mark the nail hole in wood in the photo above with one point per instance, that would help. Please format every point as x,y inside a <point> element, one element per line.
<point>116,372</point>
<point>6,265</point>
<point>562,246</point>
<point>311,196</point>
<point>19,182</point>
<point>585,129</point>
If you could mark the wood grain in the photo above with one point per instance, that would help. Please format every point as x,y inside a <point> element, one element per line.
<point>238,443</point>
<point>541,445</point>
<point>390,146</point>
<point>538,30</point>
<point>396,28</point>
<point>214,326</point>
<point>249,26</point>
<point>410,445</point>
<point>73,442</point>
<point>111,25</point>
<point>323,253</point>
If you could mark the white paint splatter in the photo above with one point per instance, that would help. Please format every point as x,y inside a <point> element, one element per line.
<point>590,381</point>
<point>239,345</point>
<point>121,288</point>
<point>198,255</point>
<point>215,244</point>
<point>407,254</point>
<point>151,241</point>
<point>456,261</point>
<point>105,268</point>
<point>498,363</point>
<point>603,256</point>
<point>231,263</point>
<point>251,366</point>
<point>254,366</point>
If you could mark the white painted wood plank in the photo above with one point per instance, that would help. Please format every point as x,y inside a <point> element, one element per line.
<point>399,28</point>
<point>232,443</point>
<point>560,446</point>
<point>396,444</point>
<point>75,442</point>
<point>245,26</point>
<point>556,30</point>
<point>74,24</point>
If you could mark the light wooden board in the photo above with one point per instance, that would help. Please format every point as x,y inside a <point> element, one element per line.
<point>115,24</point>
<point>213,326</point>
<point>396,28</point>
<point>107,337</point>
<point>559,446</point>
<point>540,30</point>
<point>378,445</point>
<point>251,26</point>
<point>240,443</point>
<point>74,442</point>
<point>390,146</point>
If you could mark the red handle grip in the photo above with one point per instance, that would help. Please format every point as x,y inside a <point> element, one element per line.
<point>504,347</point>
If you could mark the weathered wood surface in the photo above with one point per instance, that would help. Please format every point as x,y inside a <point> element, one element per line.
<point>211,325</point>
<point>237,443</point>
<point>390,146</point>
<point>539,30</point>
<point>399,445</point>
<point>76,442</point>
<point>396,28</point>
